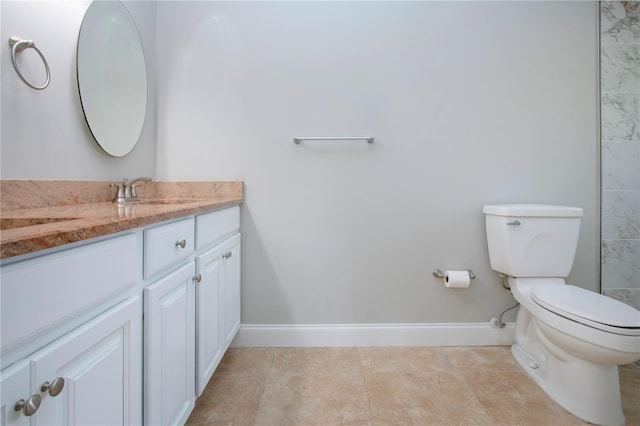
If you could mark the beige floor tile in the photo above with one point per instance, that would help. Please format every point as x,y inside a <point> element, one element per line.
<point>438,398</point>
<point>630,379</point>
<point>233,394</point>
<point>513,399</point>
<point>384,386</point>
<point>247,360</point>
<point>322,386</point>
<point>229,399</point>
<point>630,393</point>
<point>416,360</point>
<point>326,397</point>
<point>317,361</point>
<point>481,358</point>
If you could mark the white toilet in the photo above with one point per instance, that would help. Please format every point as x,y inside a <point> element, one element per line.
<point>570,341</point>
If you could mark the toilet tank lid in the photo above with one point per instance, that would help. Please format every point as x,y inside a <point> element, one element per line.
<point>532,210</point>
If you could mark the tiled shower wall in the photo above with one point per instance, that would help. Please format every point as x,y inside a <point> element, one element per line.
<point>620,112</point>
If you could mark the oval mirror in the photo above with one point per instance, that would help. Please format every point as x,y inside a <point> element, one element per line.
<point>112,77</point>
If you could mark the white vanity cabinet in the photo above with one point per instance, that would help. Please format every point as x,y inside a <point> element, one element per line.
<point>169,347</point>
<point>230,290</point>
<point>73,328</point>
<point>218,306</point>
<point>90,376</point>
<point>15,394</point>
<point>101,366</point>
<point>169,323</point>
<point>209,349</point>
<point>188,323</point>
<point>217,289</point>
<point>120,330</point>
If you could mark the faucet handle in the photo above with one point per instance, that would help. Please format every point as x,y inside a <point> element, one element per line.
<point>127,189</point>
<point>135,183</point>
<point>120,192</point>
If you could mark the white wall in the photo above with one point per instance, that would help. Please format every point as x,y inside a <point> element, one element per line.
<point>470,103</point>
<point>44,134</point>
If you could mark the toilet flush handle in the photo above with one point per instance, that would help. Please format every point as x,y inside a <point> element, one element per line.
<point>514,223</point>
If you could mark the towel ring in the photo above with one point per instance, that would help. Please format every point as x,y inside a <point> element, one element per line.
<point>18,45</point>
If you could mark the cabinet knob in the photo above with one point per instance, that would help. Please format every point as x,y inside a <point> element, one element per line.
<point>227,255</point>
<point>182,243</point>
<point>54,388</point>
<point>197,279</point>
<point>30,406</point>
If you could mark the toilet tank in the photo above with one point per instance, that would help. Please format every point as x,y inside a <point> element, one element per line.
<point>532,240</point>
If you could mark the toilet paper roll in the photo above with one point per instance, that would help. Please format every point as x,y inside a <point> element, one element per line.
<point>457,279</point>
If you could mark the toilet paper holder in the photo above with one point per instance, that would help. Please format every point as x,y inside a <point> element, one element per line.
<point>438,274</point>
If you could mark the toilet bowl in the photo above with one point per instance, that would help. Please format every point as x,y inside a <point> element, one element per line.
<point>569,340</point>
<point>575,359</point>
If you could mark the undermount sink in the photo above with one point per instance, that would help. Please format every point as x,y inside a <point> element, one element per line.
<point>169,201</point>
<point>22,222</point>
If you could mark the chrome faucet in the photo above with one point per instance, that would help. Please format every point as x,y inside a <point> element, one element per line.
<point>127,189</point>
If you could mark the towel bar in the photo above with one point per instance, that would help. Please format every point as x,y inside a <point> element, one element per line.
<point>299,139</point>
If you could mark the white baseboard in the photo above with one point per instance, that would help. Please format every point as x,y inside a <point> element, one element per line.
<point>353,335</point>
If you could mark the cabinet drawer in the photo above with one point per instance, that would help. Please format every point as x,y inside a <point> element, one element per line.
<point>167,245</point>
<point>213,227</point>
<point>42,293</point>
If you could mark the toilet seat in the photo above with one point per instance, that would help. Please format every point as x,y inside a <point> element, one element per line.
<point>588,308</point>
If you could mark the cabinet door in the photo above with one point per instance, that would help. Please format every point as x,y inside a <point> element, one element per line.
<point>230,290</point>
<point>15,387</point>
<point>208,340</point>
<point>100,363</point>
<point>170,348</point>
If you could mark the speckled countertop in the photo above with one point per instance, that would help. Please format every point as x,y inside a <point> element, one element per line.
<point>39,215</point>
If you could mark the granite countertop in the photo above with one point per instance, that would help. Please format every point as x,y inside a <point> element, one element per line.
<point>39,215</point>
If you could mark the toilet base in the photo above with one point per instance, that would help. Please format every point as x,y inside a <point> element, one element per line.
<point>588,390</point>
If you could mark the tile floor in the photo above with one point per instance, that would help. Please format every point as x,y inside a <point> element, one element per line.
<point>384,386</point>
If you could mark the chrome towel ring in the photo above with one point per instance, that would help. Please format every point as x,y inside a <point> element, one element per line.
<point>18,45</point>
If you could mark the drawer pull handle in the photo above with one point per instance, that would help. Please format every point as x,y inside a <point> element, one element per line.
<point>197,279</point>
<point>30,406</point>
<point>54,388</point>
<point>182,243</point>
